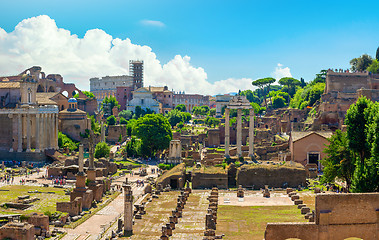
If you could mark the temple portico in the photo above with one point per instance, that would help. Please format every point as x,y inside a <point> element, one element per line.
<point>32,128</point>
<point>239,103</point>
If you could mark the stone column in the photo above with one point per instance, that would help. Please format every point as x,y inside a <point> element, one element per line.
<point>251,134</point>
<point>239,132</point>
<point>80,161</point>
<point>128,209</point>
<point>42,132</point>
<point>37,133</point>
<point>12,117</point>
<point>56,131</point>
<point>28,133</point>
<point>48,126</point>
<point>102,132</point>
<point>19,140</point>
<point>227,132</point>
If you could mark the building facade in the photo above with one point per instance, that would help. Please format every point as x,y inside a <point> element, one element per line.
<point>221,101</point>
<point>107,86</point>
<point>144,98</point>
<point>190,100</point>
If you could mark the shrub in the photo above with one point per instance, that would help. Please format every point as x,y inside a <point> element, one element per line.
<point>102,150</point>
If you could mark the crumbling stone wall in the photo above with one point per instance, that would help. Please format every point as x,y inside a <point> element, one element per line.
<point>73,208</point>
<point>338,217</point>
<point>114,133</point>
<point>258,176</point>
<point>209,179</point>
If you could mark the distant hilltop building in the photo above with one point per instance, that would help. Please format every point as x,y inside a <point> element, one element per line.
<point>107,86</point>
<point>189,100</point>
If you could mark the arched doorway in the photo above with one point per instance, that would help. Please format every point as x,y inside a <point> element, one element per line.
<point>51,89</point>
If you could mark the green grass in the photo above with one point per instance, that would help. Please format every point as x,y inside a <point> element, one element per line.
<point>250,222</point>
<point>47,201</point>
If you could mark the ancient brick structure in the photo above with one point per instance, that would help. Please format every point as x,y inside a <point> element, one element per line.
<point>19,231</point>
<point>338,216</point>
<point>128,209</point>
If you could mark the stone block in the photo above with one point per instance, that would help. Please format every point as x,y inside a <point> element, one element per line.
<point>298,201</point>
<point>294,197</point>
<point>305,210</point>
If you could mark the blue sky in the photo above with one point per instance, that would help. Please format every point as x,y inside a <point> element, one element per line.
<point>228,39</point>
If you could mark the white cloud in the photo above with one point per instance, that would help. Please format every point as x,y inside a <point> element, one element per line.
<point>38,41</point>
<point>281,72</point>
<point>152,23</point>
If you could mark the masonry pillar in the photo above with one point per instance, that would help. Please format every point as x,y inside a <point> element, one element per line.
<point>42,133</point>
<point>56,131</point>
<point>28,133</point>
<point>48,144</point>
<point>103,132</point>
<point>251,134</point>
<point>12,117</point>
<point>81,157</point>
<point>239,132</point>
<point>19,140</point>
<point>227,132</point>
<point>128,209</point>
<point>37,133</point>
<point>91,172</point>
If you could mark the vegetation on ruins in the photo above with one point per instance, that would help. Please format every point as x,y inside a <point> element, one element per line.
<point>102,150</point>
<point>65,142</point>
<point>95,126</point>
<point>361,63</point>
<point>181,108</point>
<point>377,54</point>
<point>112,101</point>
<point>357,150</point>
<point>154,130</point>
<point>111,120</point>
<point>140,112</point>
<point>308,95</point>
<point>374,67</point>
<point>127,114</point>
<point>123,121</point>
<point>87,93</point>
<point>133,147</point>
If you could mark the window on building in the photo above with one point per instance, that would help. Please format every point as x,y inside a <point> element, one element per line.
<point>142,101</point>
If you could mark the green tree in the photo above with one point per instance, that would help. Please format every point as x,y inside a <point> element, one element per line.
<point>356,119</point>
<point>123,121</point>
<point>212,112</point>
<point>133,147</point>
<point>186,117</point>
<point>112,101</point>
<point>377,54</point>
<point>130,127</point>
<point>320,77</point>
<point>360,64</point>
<point>174,117</point>
<point>181,108</point>
<point>278,102</point>
<point>249,95</point>
<point>374,67</point>
<point>102,150</point>
<point>257,108</point>
<point>111,120</point>
<point>65,142</point>
<point>262,83</point>
<point>127,114</point>
<point>155,133</point>
<point>180,125</point>
<point>95,126</point>
<point>339,162</point>
<point>290,83</point>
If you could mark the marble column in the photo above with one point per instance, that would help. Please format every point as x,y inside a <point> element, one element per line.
<point>42,133</point>
<point>19,140</point>
<point>56,131</point>
<point>28,133</point>
<point>37,133</point>
<point>81,157</point>
<point>48,131</point>
<point>12,117</point>
<point>251,134</point>
<point>227,132</point>
<point>128,209</point>
<point>239,132</point>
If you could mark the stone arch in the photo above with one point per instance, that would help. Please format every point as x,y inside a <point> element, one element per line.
<point>40,88</point>
<point>74,93</point>
<point>65,93</point>
<point>51,89</point>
